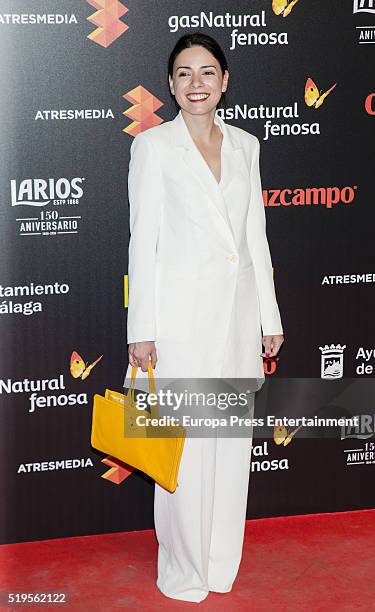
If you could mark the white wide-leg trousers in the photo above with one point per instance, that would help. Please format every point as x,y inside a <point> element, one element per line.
<point>200,527</point>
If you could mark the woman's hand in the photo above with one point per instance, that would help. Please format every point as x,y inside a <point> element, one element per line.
<point>271,345</point>
<point>140,354</point>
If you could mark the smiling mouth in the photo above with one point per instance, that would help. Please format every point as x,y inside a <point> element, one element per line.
<point>197,97</point>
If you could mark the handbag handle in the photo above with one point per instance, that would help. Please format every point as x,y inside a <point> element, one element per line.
<point>151,387</point>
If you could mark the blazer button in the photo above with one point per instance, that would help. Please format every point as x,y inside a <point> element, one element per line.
<point>232,258</point>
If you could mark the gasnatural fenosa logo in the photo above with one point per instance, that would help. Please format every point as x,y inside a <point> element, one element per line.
<point>314,97</point>
<point>283,7</point>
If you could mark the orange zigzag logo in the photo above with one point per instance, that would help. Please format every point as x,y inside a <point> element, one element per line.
<point>107,18</point>
<point>118,471</point>
<point>143,110</point>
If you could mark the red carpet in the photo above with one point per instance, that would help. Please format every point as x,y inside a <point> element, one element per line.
<point>313,563</point>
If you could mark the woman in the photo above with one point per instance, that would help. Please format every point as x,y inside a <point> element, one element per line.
<point>201,294</point>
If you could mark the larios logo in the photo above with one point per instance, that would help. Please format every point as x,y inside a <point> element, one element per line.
<point>257,21</point>
<point>364,430</point>
<point>364,6</point>
<point>309,196</point>
<point>366,33</point>
<point>38,193</point>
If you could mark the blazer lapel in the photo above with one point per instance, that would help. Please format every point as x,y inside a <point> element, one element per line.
<point>231,158</point>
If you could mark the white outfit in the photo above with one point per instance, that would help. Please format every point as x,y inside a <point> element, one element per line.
<point>200,527</point>
<point>201,286</point>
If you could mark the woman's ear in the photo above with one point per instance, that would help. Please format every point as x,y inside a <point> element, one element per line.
<point>225,81</point>
<point>171,85</point>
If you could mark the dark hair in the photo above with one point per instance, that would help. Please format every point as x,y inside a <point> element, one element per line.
<point>201,40</point>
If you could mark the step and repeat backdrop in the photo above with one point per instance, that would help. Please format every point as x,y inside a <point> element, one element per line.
<point>79,80</point>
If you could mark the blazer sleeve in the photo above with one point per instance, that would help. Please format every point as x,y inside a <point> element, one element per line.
<point>260,252</point>
<point>145,192</point>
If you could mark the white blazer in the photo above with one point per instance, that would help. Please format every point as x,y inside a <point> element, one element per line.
<point>200,271</point>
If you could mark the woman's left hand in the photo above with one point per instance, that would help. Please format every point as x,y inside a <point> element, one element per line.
<point>271,345</point>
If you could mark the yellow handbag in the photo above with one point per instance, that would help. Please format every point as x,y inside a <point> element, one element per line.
<point>156,450</point>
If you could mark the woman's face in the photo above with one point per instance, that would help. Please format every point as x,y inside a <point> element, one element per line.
<point>197,82</point>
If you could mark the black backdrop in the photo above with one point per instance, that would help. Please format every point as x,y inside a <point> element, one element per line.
<point>64,96</point>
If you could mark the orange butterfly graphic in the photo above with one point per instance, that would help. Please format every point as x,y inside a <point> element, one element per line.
<point>283,7</point>
<point>80,369</point>
<point>312,95</point>
<point>281,435</point>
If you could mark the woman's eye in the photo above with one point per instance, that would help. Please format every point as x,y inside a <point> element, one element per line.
<point>182,74</point>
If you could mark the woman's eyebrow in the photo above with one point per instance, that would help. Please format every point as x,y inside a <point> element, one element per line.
<point>190,67</point>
